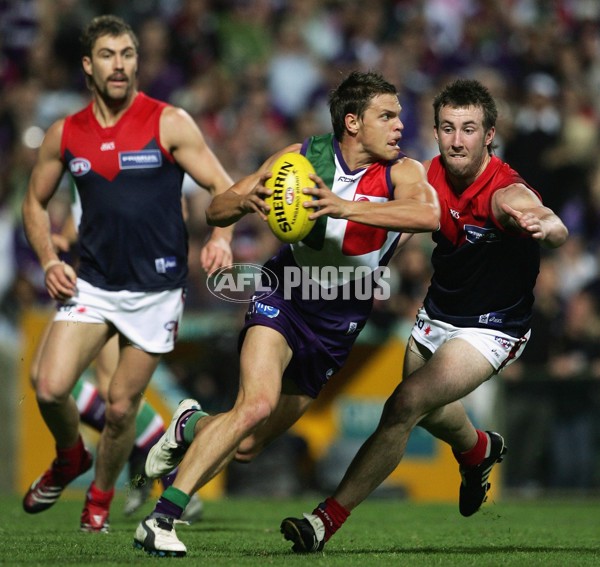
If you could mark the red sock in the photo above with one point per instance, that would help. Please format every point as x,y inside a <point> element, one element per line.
<point>100,497</point>
<point>474,456</point>
<point>69,459</point>
<point>333,515</point>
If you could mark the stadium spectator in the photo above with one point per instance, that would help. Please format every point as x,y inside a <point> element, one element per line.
<point>574,365</point>
<point>528,400</point>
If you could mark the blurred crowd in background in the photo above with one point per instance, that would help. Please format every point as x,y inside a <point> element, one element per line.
<point>256,74</point>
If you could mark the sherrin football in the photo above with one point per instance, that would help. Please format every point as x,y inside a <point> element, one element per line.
<point>288,219</point>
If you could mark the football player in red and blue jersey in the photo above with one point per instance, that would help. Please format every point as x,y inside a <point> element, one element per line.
<point>475,319</point>
<point>127,154</point>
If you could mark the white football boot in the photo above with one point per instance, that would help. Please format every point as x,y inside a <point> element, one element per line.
<point>156,536</point>
<point>168,451</point>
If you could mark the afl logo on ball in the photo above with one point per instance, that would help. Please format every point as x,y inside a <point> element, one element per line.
<point>79,166</point>
<point>289,195</point>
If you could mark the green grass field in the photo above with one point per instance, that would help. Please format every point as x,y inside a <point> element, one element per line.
<point>246,532</point>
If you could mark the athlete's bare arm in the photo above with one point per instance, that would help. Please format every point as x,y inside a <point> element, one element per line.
<point>414,208</point>
<point>43,183</point>
<point>246,196</point>
<point>518,207</point>
<point>181,136</point>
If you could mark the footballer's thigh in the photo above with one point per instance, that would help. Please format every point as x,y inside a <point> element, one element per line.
<point>455,369</point>
<point>263,358</point>
<point>34,369</point>
<point>415,356</point>
<point>130,380</point>
<point>68,350</point>
<point>105,365</point>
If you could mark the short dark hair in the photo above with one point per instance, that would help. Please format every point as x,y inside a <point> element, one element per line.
<point>467,92</point>
<point>352,96</point>
<point>101,26</point>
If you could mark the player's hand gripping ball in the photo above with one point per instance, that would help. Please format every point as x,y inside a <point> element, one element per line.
<point>288,219</point>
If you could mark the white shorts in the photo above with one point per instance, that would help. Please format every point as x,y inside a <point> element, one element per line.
<point>149,320</point>
<point>498,348</point>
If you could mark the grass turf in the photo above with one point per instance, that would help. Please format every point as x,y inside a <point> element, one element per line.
<point>391,532</point>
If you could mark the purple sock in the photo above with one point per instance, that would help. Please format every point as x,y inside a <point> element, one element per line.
<point>172,503</point>
<point>94,413</point>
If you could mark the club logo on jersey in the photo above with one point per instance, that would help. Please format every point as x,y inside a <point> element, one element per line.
<point>481,235</point>
<point>79,166</point>
<point>504,343</point>
<point>71,307</point>
<point>141,159</point>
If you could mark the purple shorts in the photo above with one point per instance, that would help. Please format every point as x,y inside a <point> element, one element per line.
<point>318,352</point>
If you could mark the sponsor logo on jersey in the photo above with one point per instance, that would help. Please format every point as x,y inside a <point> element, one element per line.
<point>266,310</point>
<point>141,159</point>
<point>454,213</point>
<point>492,319</point>
<point>164,265</point>
<point>480,235</point>
<point>107,146</point>
<point>352,327</point>
<point>344,179</point>
<point>79,166</point>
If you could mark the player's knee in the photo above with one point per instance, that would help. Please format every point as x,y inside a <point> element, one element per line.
<point>403,408</point>
<point>251,414</point>
<point>120,414</point>
<point>49,393</point>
